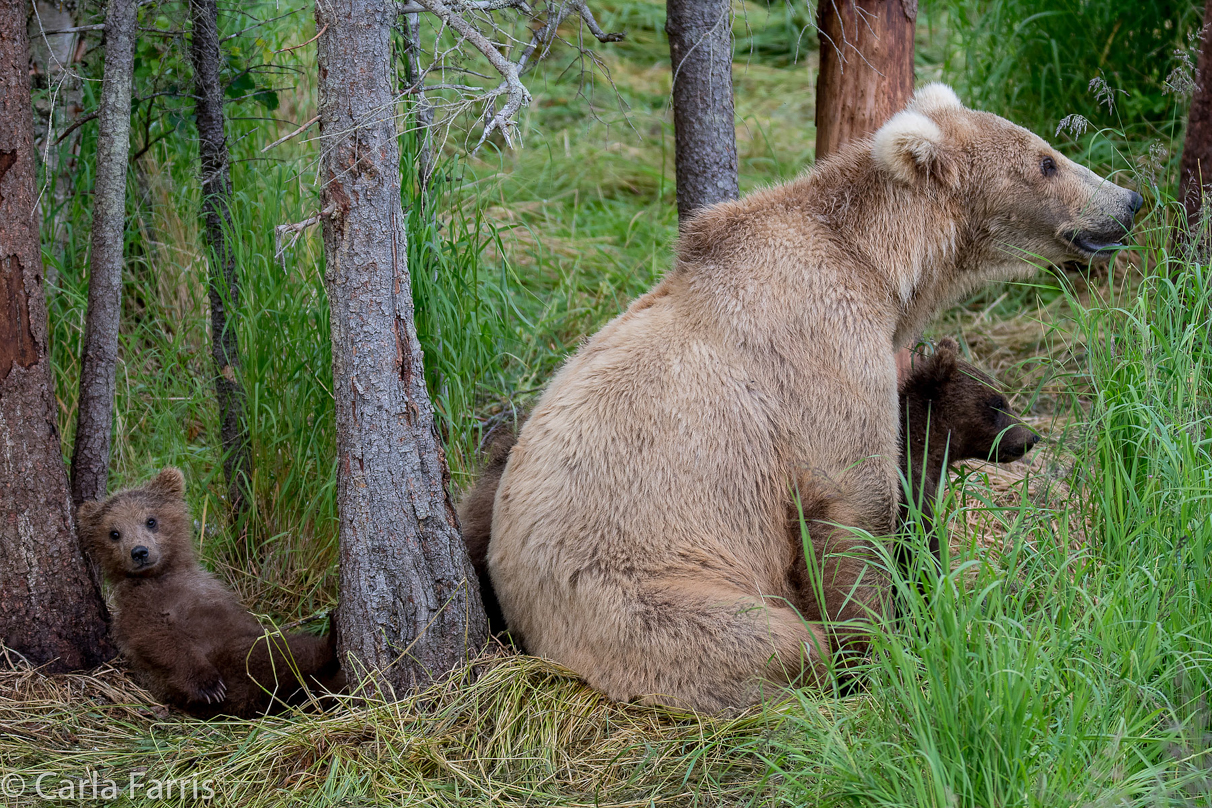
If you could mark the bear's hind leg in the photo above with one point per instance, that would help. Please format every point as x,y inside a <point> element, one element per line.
<point>713,647</point>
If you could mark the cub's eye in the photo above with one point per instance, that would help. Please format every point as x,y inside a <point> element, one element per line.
<point>1047,167</point>
<point>115,535</point>
<point>151,523</point>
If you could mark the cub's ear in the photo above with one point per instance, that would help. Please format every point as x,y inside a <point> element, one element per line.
<point>86,516</point>
<point>934,97</point>
<point>947,345</point>
<point>170,482</point>
<point>911,148</point>
<point>945,359</point>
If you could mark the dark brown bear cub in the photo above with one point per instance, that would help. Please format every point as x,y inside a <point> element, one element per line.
<point>951,411</point>
<point>184,632</point>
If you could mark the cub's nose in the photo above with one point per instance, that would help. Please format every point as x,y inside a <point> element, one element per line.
<point>1135,201</point>
<point>139,554</point>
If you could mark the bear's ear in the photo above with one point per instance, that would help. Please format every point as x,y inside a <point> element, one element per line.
<point>946,358</point>
<point>934,97</point>
<point>170,482</point>
<point>911,148</point>
<point>86,516</point>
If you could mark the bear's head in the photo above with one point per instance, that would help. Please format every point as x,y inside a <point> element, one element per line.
<point>952,407</point>
<point>1025,203</point>
<point>142,532</point>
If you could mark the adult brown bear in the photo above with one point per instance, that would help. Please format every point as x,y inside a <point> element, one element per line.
<point>625,548</point>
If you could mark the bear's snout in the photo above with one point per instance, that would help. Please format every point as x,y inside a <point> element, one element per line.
<point>1015,443</point>
<point>139,555</point>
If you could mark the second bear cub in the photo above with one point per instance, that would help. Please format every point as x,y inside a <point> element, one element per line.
<point>184,632</point>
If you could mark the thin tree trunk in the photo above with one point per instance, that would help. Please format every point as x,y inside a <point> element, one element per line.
<point>866,68</point>
<point>224,285</point>
<point>95,413</point>
<point>409,605</point>
<point>51,609</point>
<point>1195,169</point>
<point>54,55</point>
<point>700,50</point>
<point>423,107</point>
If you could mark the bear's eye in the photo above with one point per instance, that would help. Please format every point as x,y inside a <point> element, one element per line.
<point>115,535</point>
<point>1047,167</point>
<point>151,523</point>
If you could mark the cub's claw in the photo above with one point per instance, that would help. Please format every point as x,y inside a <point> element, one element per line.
<point>212,692</point>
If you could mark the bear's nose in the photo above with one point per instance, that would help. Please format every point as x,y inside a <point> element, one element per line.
<point>139,554</point>
<point>1135,201</point>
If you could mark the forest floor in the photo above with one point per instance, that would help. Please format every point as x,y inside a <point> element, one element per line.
<point>1063,662</point>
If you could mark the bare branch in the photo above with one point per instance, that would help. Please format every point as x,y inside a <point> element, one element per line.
<point>308,42</point>
<point>519,96</point>
<point>79,29</point>
<point>472,5</point>
<point>285,138</point>
<point>296,230</point>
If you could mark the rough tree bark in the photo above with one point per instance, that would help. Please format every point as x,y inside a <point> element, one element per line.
<point>409,607</point>
<point>866,67</point>
<point>51,609</point>
<point>95,413</point>
<point>700,50</point>
<point>1195,169</point>
<point>224,285</point>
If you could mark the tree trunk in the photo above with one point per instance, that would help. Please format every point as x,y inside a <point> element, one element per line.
<point>700,51</point>
<point>1195,169</point>
<point>95,413</point>
<point>422,106</point>
<point>224,285</point>
<point>866,68</point>
<point>50,607</point>
<point>409,608</point>
<point>53,56</point>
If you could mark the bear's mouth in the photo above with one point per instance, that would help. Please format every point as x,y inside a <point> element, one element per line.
<point>1094,245</point>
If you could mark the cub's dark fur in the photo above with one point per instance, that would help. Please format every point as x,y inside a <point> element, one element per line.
<point>475,517</point>
<point>182,630</point>
<point>950,411</point>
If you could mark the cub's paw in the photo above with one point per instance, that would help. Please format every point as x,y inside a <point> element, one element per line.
<point>209,688</point>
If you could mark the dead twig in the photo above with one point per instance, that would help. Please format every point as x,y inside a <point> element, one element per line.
<point>296,229</point>
<point>308,42</point>
<point>298,131</point>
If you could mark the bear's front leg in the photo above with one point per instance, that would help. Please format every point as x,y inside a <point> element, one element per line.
<point>842,580</point>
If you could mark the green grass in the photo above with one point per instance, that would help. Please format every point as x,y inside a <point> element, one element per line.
<point>1063,660</point>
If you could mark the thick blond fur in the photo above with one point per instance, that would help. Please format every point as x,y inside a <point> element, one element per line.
<point>935,97</point>
<point>907,145</point>
<point>642,533</point>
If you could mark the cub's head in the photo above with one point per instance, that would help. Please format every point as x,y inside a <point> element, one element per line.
<point>950,404</point>
<point>139,533</point>
<point>1027,204</point>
